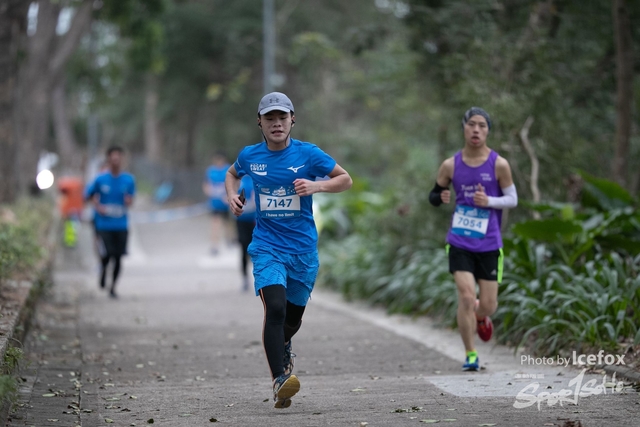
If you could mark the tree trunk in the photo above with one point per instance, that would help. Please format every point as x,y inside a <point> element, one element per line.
<point>152,142</point>
<point>70,155</point>
<point>189,148</point>
<point>47,54</point>
<point>535,164</point>
<point>35,93</point>
<point>624,92</point>
<point>12,19</point>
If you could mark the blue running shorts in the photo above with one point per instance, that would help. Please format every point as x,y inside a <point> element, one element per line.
<point>296,272</point>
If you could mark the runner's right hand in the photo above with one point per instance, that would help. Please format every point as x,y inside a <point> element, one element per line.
<point>235,204</point>
<point>445,196</point>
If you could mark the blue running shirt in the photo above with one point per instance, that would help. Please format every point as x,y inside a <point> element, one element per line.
<point>215,177</point>
<point>111,191</point>
<point>284,219</point>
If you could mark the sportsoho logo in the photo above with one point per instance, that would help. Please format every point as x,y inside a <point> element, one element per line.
<point>530,395</point>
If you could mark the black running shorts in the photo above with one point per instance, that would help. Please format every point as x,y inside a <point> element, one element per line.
<point>112,242</point>
<point>483,265</point>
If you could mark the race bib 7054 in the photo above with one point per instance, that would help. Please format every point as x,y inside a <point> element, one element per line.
<point>470,222</point>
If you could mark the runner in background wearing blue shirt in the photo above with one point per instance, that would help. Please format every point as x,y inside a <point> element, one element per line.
<point>213,187</point>
<point>112,193</point>
<point>245,224</point>
<point>484,187</point>
<point>284,247</point>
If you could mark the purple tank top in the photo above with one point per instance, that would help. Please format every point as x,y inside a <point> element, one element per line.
<point>475,229</point>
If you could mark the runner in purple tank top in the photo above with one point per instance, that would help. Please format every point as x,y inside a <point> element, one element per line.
<point>483,186</point>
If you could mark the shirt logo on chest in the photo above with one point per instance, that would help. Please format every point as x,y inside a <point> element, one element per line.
<point>294,169</point>
<point>259,168</point>
<point>486,176</point>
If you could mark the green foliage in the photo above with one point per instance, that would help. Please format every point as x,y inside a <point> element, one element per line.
<point>8,388</point>
<point>12,358</point>
<point>138,20</point>
<point>21,239</point>
<point>8,378</point>
<point>608,220</point>
<point>604,195</point>
<point>551,307</point>
<point>19,251</point>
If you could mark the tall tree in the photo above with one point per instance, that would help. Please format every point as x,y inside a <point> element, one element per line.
<point>46,57</point>
<point>624,90</point>
<point>13,18</point>
<point>67,145</point>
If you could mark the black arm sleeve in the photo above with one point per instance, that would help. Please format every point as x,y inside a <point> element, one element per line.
<point>434,196</point>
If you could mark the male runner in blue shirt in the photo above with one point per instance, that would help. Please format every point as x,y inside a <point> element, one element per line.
<point>213,187</point>
<point>284,247</point>
<point>112,193</point>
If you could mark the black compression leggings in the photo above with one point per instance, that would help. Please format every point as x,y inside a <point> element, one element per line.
<point>281,321</point>
<point>116,269</point>
<point>245,234</point>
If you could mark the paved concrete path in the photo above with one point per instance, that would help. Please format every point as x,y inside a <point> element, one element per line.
<point>182,347</point>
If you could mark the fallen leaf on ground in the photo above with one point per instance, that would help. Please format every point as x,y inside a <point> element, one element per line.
<point>49,395</point>
<point>108,420</point>
<point>359,389</point>
<point>429,421</point>
<point>213,420</point>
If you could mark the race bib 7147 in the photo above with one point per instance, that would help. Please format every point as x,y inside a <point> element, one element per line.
<point>279,201</point>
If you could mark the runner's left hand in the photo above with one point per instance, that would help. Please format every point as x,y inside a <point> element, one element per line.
<point>304,187</point>
<point>480,197</point>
